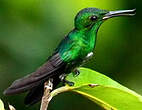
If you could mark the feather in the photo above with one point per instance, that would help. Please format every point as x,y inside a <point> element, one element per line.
<point>51,68</point>
<point>35,94</point>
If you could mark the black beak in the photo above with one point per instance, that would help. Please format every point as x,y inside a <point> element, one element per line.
<point>111,14</point>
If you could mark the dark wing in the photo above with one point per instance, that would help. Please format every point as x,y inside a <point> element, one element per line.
<point>52,67</point>
<point>35,94</point>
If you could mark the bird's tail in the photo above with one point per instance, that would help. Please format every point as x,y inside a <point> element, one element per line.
<point>46,71</point>
<point>22,85</point>
<point>35,94</point>
<point>35,81</point>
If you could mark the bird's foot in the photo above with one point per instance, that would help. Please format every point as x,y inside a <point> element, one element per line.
<point>76,72</point>
<point>62,78</point>
<point>69,82</point>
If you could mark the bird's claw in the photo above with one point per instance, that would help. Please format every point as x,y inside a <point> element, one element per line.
<point>76,72</point>
<point>69,83</point>
<point>62,78</point>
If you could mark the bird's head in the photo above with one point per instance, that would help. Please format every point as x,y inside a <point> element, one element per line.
<point>90,17</point>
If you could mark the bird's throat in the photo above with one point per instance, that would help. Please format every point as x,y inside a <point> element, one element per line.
<point>91,36</point>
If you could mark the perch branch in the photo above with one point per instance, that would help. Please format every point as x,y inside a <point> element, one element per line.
<point>48,86</point>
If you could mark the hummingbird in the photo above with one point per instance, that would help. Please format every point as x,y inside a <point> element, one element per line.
<point>77,46</point>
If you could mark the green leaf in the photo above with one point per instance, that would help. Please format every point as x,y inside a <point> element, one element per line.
<point>102,90</point>
<point>1,105</point>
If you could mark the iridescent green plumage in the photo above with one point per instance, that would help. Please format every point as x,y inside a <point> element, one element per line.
<point>69,54</point>
<point>82,39</point>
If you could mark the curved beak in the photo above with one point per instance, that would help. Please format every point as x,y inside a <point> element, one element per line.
<point>111,14</point>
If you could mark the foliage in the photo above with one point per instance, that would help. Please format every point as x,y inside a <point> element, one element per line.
<point>102,90</point>
<point>1,105</point>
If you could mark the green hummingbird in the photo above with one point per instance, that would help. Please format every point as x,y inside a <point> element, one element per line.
<point>74,49</point>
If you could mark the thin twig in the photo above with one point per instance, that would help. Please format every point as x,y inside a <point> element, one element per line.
<point>48,95</point>
<point>48,86</point>
<point>11,107</point>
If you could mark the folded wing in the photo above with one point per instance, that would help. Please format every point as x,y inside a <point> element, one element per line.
<point>52,67</point>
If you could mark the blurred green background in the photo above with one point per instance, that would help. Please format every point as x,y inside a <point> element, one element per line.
<point>31,29</point>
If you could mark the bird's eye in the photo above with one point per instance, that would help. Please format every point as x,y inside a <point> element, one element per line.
<point>93,18</point>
